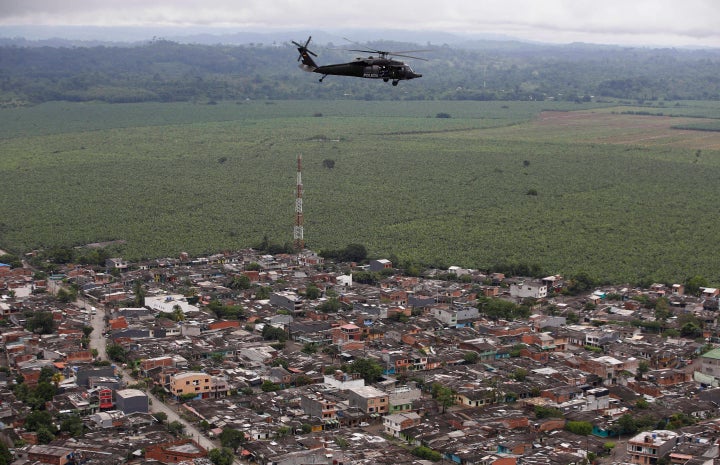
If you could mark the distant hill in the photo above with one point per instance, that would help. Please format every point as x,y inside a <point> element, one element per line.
<point>264,66</point>
<point>92,36</point>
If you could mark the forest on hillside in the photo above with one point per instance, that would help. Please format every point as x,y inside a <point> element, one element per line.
<point>165,71</point>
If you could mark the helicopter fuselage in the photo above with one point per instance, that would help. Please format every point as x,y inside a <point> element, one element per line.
<point>371,68</point>
<point>379,67</point>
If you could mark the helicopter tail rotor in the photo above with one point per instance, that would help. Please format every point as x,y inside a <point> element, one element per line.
<point>308,64</point>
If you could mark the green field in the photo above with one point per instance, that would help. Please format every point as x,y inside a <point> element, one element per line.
<point>623,197</point>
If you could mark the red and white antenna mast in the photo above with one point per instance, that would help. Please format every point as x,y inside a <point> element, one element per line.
<point>298,238</point>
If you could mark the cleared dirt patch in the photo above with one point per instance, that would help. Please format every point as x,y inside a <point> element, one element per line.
<point>623,129</point>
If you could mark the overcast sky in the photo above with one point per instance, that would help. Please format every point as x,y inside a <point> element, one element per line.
<point>626,22</point>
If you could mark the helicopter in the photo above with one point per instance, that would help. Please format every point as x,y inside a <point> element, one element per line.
<point>380,67</point>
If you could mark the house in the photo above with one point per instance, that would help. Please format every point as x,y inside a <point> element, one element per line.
<point>201,384</point>
<point>678,289</point>
<point>370,400</point>
<point>381,264</point>
<point>396,422</point>
<point>401,398</point>
<point>709,292</point>
<point>184,450</point>
<point>648,447</point>
<point>50,454</point>
<point>116,264</point>
<point>455,316</point>
<point>709,368</point>
<point>288,300</point>
<point>317,405</point>
<point>531,289</point>
<point>131,400</point>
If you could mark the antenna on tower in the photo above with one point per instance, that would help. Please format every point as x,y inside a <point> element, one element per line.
<point>298,237</point>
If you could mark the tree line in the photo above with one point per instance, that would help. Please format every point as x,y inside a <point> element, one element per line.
<point>165,71</point>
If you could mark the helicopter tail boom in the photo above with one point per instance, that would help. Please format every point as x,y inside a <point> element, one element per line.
<point>307,63</point>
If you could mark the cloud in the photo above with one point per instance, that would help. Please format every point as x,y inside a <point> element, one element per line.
<point>689,21</point>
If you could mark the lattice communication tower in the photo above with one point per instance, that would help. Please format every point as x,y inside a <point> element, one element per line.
<point>298,233</point>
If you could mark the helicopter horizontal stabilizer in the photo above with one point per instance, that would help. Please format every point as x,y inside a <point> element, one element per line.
<point>307,68</point>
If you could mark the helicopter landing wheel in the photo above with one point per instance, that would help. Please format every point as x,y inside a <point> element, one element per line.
<point>386,79</point>
<point>395,83</point>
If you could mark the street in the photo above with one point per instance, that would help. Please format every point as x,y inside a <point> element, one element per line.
<point>99,342</point>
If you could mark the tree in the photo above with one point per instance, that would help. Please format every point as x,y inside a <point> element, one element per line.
<point>269,386</point>
<point>38,419</point>
<point>693,285</point>
<point>240,281</point>
<point>542,411</point>
<point>139,294</point>
<point>369,369</point>
<point>331,350</point>
<point>583,428</point>
<point>271,332</point>
<point>73,424</point>
<point>582,282</point>
<point>231,438</point>
<point>309,348</point>
<point>426,453</point>
<point>177,313</point>
<point>161,417</point>
<point>643,367</point>
<point>44,436</point>
<point>41,323</point>
<point>691,329</point>
<point>176,428</point>
<point>328,163</point>
<point>332,305</point>
<point>444,395</point>
<point>6,457</point>
<point>626,424</point>
<point>312,292</point>
<point>222,456</point>
<point>262,292</point>
<point>65,295</point>
<point>471,357</point>
<point>116,352</point>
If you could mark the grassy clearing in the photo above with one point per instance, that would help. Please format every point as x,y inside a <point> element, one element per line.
<point>624,197</point>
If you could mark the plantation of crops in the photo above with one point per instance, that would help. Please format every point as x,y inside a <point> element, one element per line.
<point>573,188</point>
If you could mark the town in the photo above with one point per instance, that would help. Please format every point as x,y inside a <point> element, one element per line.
<point>293,359</point>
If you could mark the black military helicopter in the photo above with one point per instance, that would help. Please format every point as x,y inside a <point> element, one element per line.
<point>380,67</point>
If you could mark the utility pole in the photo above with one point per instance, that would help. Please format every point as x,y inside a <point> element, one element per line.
<point>298,233</point>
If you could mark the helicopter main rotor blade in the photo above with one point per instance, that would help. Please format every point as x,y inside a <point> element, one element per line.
<point>394,54</point>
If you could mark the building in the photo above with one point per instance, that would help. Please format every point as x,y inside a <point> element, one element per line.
<point>116,264</point>
<point>648,447</point>
<point>532,289</point>
<point>401,398</point>
<point>381,264</point>
<point>174,452</point>
<point>203,385</point>
<point>710,363</point>
<point>131,400</point>
<point>397,422</point>
<point>287,300</point>
<point>50,454</point>
<point>317,405</point>
<point>370,400</point>
<point>456,316</point>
